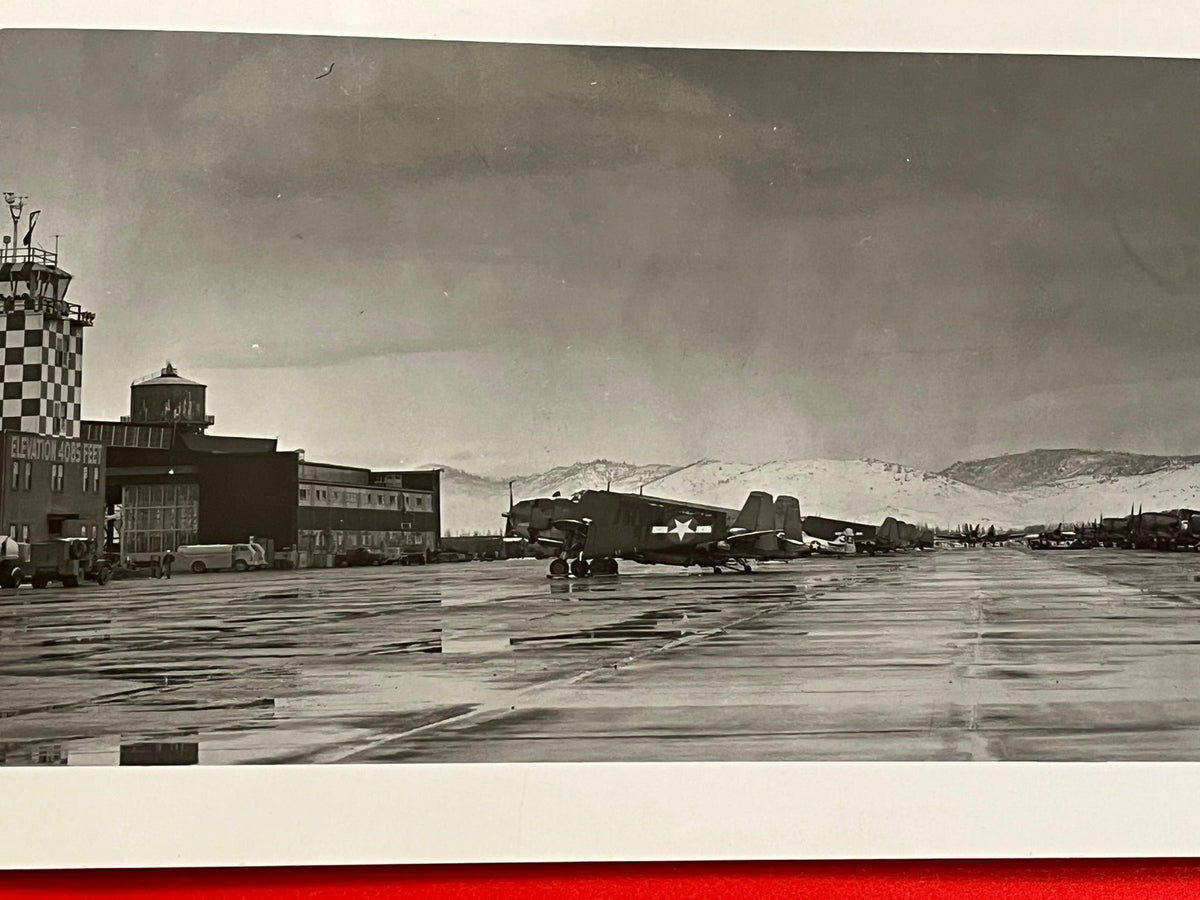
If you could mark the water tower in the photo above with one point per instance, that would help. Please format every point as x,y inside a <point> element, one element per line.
<point>169,398</point>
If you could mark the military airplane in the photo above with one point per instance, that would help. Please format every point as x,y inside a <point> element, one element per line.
<point>974,535</point>
<point>1175,529</point>
<point>591,530</point>
<point>836,537</point>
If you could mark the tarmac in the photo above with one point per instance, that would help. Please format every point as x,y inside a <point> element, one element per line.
<point>971,654</point>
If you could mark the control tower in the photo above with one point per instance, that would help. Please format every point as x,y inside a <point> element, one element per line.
<point>168,397</point>
<point>41,336</point>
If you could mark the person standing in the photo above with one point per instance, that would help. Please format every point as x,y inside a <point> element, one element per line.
<point>165,569</point>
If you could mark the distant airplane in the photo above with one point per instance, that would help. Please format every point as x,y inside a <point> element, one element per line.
<point>973,535</point>
<point>835,537</point>
<point>592,530</point>
<point>838,537</point>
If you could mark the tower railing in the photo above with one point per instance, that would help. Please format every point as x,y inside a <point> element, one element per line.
<point>28,255</point>
<point>55,309</point>
<point>182,420</point>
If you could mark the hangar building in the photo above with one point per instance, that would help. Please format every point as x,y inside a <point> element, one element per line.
<point>170,483</point>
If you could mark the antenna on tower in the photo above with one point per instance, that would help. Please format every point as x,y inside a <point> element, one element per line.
<point>16,203</point>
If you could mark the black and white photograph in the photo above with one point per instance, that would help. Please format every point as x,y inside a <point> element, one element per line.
<point>382,401</point>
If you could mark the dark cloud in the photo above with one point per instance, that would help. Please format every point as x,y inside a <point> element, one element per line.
<point>891,255</point>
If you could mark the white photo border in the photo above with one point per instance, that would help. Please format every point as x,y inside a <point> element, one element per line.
<point>309,815</point>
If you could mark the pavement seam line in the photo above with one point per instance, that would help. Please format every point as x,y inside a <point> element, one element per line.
<point>586,674</point>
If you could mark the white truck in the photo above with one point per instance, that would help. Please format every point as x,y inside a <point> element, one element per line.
<point>200,558</point>
<point>14,560</point>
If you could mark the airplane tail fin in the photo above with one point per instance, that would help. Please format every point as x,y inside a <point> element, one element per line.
<point>758,515</point>
<point>787,518</point>
<point>888,534</point>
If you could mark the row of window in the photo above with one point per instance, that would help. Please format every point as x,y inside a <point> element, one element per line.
<point>331,541</point>
<point>16,475</point>
<point>22,477</point>
<point>151,437</point>
<point>20,532</point>
<point>363,498</point>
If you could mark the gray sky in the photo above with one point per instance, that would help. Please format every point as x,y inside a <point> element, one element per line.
<point>506,257</point>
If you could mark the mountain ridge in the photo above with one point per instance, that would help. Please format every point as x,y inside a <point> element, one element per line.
<point>1028,487</point>
<point>1032,469</point>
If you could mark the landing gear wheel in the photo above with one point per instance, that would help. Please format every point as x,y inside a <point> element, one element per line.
<point>558,567</point>
<point>580,568</point>
<point>604,566</point>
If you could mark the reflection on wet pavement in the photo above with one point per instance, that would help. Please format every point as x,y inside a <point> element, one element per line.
<point>980,654</point>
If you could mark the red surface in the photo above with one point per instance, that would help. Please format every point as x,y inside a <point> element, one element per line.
<point>1103,879</point>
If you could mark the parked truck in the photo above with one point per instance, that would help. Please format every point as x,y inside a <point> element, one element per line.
<point>70,561</point>
<point>200,558</point>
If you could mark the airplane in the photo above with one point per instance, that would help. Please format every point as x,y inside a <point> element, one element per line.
<point>974,535</point>
<point>835,537</point>
<point>592,530</point>
<point>1174,529</point>
<point>1074,537</point>
<point>840,538</point>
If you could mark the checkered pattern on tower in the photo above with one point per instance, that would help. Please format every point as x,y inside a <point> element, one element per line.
<point>43,373</point>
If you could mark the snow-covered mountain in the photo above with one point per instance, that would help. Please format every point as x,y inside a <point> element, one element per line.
<point>472,504</point>
<point>1036,468</point>
<point>1047,486</point>
<point>1085,498</point>
<point>866,490</point>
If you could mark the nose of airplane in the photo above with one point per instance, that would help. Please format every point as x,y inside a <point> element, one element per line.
<point>518,517</point>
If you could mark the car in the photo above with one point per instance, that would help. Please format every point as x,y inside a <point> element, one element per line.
<point>359,556</point>
<point>449,556</point>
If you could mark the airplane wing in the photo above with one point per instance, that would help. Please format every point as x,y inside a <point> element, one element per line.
<point>793,541</point>
<point>736,536</point>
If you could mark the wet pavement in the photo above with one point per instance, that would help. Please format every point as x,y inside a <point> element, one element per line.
<point>950,655</point>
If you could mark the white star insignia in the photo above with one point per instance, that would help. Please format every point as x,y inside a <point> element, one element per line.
<point>682,528</point>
